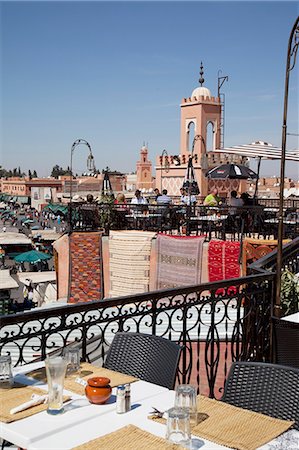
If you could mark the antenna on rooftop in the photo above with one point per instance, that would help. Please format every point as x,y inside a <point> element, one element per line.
<point>221,96</point>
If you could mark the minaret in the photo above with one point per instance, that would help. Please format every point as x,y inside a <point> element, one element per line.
<point>144,170</point>
<point>198,112</point>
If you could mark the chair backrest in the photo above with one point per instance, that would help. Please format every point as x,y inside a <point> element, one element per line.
<point>150,358</point>
<point>269,389</point>
<point>286,342</point>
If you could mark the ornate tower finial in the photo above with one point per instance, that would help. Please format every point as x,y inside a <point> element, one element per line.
<point>201,80</point>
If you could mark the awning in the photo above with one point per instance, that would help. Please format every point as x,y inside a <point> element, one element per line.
<point>7,281</point>
<point>10,238</point>
<point>45,235</point>
<point>56,209</point>
<point>22,200</point>
<point>37,277</point>
<point>259,150</point>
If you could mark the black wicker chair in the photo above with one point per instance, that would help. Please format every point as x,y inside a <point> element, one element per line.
<point>286,342</point>
<point>150,358</point>
<point>269,389</point>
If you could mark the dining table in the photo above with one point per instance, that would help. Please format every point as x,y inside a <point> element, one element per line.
<point>292,317</point>
<point>210,223</point>
<point>82,421</point>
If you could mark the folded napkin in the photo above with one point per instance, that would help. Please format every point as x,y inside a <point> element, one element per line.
<point>35,400</point>
<point>19,396</point>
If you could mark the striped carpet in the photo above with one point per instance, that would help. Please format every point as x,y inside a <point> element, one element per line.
<point>129,262</point>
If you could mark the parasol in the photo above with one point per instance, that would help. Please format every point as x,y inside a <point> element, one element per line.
<point>232,172</point>
<point>33,256</point>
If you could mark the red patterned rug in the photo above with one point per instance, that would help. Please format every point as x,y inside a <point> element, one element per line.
<point>223,261</point>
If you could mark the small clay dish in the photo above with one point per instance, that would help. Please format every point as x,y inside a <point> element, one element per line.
<point>98,390</point>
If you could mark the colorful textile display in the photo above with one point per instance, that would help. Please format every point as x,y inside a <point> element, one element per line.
<point>223,260</point>
<point>254,249</point>
<point>179,261</point>
<point>86,275</point>
<point>129,262</point>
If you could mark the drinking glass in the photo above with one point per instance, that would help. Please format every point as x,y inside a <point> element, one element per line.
<point>6,378</point>
<point>72,356</point>
<point>185,397</point>
<point>55,368</point>
<point>178,427</point>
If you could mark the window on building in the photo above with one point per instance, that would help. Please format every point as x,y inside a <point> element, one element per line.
<point>190,135</point>
<point>210,136</point>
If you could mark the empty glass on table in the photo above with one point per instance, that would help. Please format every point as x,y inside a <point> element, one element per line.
<point>72,356</point>
<point>6,378</point>
<point>178,427</point>
<point>55,369</point>
<point>186,398</point>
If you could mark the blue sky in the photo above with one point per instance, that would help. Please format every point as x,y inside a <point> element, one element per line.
<point>114,73</point>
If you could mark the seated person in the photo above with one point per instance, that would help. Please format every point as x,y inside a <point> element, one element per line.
<point>212,199</point>
<point>156,193</point>
<point>235,202</point>
<point>120,199</point>
<point>247,200</point>
<point>138,199</point>
<point>187,199</point>
<point>164,198</point>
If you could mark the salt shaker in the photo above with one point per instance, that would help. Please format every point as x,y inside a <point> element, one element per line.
<point>120,399</point>
<point>128,397</point>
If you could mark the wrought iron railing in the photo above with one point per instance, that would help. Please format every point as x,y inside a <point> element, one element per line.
<point>289,297</point>
<point>223,221</point>
<point>292,203</point>
<point>290,259</point>
<point>215,323</point>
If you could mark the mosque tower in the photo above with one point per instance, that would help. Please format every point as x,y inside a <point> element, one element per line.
<point>144,170</point>
<point>200,118</point>
<point>198,112</point>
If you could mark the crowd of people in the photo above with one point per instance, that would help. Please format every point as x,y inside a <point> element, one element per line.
<point>212,199</point>
<point>25,217</point>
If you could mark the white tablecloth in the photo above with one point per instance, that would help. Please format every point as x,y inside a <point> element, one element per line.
<point>82,421</point>
<point>292,318</point>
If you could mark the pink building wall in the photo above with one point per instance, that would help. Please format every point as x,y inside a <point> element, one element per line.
<point>61,258</point>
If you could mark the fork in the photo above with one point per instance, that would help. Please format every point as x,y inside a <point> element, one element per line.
<point>156,412</point>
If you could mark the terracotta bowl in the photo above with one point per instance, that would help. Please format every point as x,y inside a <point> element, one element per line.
<point>98,390</point>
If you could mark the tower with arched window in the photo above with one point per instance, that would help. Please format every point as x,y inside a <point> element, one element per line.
<point>201,117</point>
<point>144,170</point>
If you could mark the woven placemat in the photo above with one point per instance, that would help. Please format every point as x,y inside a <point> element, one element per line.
<point>128,438</point>
<point>234,427</point>
<point>18,394</point>
<point>87,371</point>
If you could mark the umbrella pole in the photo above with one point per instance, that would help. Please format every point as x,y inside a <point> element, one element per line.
<point>292,50</point>
<point>258,177</point>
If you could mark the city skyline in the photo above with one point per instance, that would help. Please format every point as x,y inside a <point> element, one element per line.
<point>115,73</point>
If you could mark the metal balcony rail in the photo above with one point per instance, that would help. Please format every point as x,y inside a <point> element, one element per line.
<point>222,221</point>
<point>216,323</point>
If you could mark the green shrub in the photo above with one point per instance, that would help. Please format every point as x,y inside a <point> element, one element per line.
<point>289,292</point>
